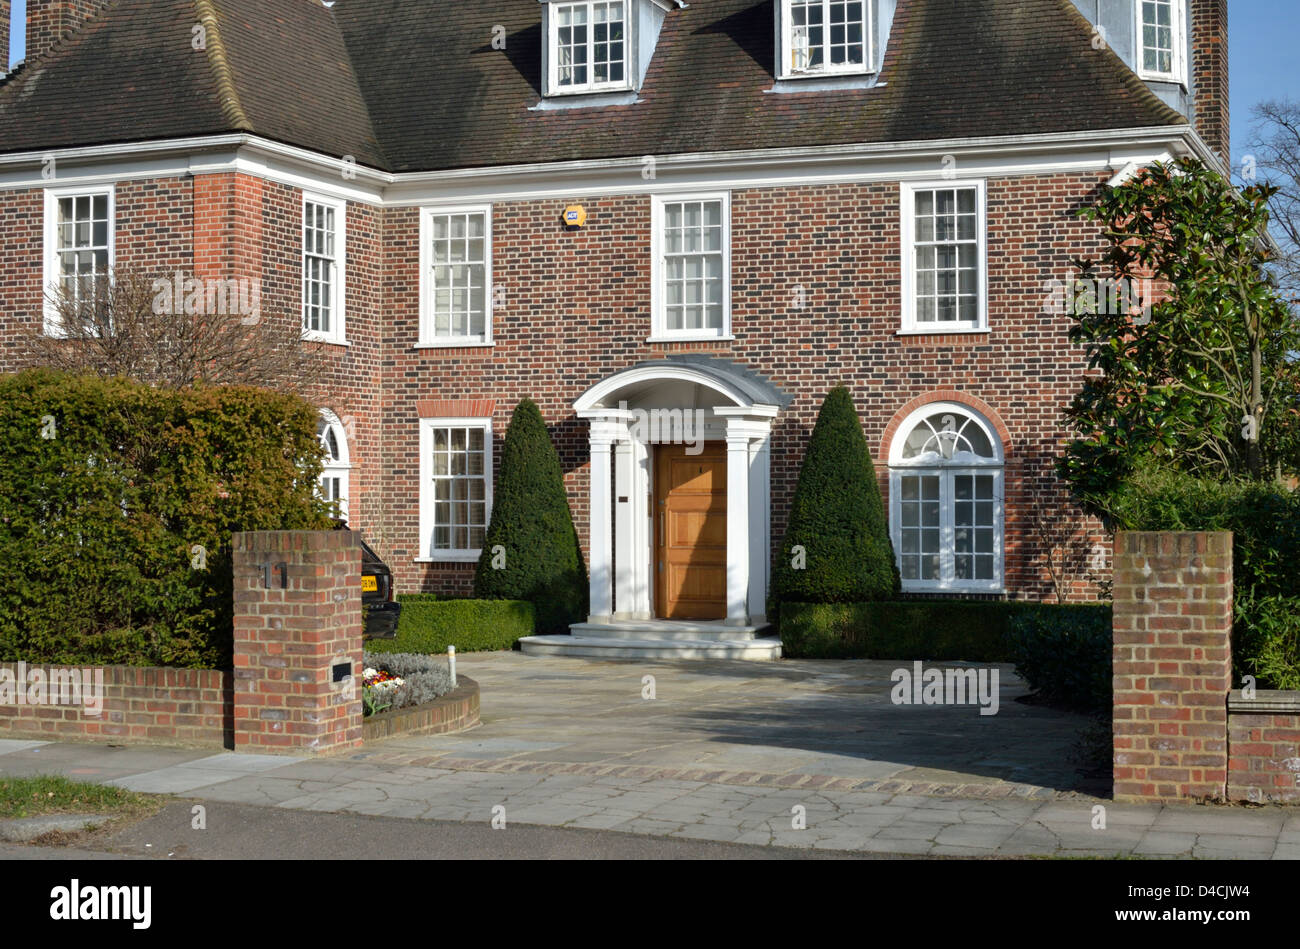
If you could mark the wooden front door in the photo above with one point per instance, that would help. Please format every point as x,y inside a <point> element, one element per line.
<point>690,532</point>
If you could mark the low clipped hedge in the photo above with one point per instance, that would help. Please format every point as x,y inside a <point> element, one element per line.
<point>429,624</point>
<point>938,630</point>
<point>1065,656</point>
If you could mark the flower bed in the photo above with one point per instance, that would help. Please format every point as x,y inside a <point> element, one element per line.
<point>394,681</point>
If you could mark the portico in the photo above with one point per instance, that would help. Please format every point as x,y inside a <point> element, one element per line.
<point>716,409</point>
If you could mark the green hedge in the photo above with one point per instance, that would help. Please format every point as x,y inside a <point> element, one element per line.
<point>1065,656</point>
<point>938,630</point>
<point>429,624</point>
<point>117,505</point>
<point>1264,518</point>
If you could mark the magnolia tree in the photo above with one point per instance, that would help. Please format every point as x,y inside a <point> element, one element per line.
<point>174,330</point>
<point>1205,380</point>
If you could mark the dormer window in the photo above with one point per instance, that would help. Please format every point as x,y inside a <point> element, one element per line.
<point>825,37</point>
<point>1161,40</point>
<point>589,46</point>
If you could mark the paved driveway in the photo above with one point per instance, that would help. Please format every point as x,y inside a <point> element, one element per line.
<point>795,754</point>
<point>792,723</point>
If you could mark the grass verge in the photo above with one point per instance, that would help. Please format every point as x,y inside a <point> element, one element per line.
<point>50,794</point>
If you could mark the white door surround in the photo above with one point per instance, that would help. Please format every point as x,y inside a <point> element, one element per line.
<point>676,401</point>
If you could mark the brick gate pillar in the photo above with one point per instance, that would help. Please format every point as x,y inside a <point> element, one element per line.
<point>297,640</point>
<point>1172,665</point>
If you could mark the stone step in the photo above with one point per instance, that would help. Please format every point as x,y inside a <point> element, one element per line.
<point>666,630</point>
<point>599,647</point>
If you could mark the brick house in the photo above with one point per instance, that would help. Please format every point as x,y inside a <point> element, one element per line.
<point>775,197</point>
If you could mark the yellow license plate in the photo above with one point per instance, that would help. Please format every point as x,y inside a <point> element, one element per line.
<point>369,584</point>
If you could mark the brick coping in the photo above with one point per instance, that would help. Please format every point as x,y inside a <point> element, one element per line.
<point>1265,702</point>
<point>453,712</point>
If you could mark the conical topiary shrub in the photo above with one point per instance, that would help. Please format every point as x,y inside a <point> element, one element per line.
<point>531,549</point>
<point>836,518</point>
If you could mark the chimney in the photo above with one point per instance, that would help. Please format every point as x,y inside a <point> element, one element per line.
<point>4,36</point>
<point>49,21</point>
<point>1210,74</point>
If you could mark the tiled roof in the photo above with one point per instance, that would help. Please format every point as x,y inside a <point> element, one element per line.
<point>277,68</point>
<point>411,85</point>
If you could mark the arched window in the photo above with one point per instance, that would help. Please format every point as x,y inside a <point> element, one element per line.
<point>334,474</point>
<point>945,499</point>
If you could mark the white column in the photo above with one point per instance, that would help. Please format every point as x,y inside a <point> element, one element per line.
<point>601,567</point>
<point>642,554</point>
<point>625,553</point>
<point>737,524</point>
<point>760,522</point>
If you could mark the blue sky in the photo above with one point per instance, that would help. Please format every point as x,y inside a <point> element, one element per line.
<point>1262,57</point>
<point>1262,39</point>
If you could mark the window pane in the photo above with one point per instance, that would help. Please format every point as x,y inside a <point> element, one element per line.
<point>459,291</point>
<point>460,487</point>
<point>693,266</point>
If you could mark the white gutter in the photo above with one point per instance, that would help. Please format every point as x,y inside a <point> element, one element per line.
<point>1009,143</point>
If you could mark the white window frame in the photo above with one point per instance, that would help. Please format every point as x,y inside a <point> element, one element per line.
<point>1178,32</point>
<point>553,50</point>
<point>659,332</point>
<point>899,468</point>
<point>907,255</point>
<point>52,271</point>
<point>337,469</point>
<point>785,58</point>
<point>426,552</point>
<point>426,338</point>
<point>338,290</point>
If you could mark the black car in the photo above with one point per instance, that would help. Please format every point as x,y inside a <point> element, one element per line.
<point>380,610</point>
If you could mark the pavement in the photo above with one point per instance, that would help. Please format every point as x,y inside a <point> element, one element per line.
<point>807,755</point>
<point>237,831</point>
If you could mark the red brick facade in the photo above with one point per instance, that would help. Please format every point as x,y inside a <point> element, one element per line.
<point>575,309</point>
<point>1210,74</point>
<point>1172,664</point>
<point>577,304</point>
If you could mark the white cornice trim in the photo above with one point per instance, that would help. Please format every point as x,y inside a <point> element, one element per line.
<point>987,156</point>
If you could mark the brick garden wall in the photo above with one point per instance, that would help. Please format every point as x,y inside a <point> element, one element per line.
<point>1172,665</point>
<point>140,705</point>
<point>1264,747</point>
